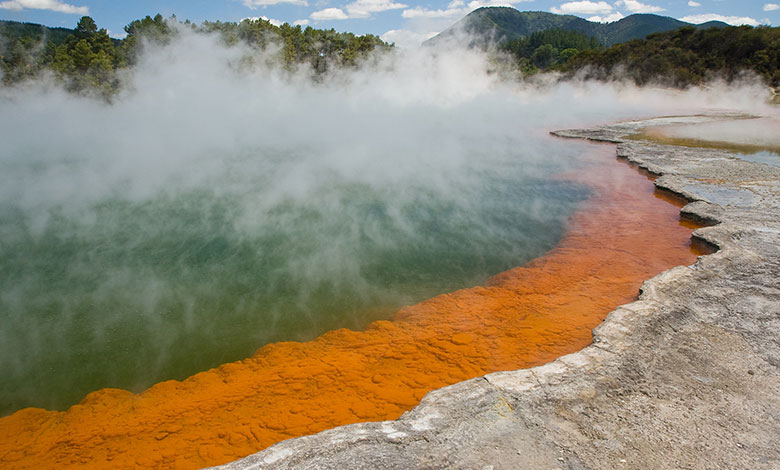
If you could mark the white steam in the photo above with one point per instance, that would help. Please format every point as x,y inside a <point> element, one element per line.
<point>191,104</point>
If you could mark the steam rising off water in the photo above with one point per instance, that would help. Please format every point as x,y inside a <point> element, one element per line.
<point>213,209</point>
<point>140,291</point>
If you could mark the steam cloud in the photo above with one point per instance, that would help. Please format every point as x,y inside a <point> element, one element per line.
<point>136,235</point>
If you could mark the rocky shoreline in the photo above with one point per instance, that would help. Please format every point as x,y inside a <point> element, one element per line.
<point>687,376</point>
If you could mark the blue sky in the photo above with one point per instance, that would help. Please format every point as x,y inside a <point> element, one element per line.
<point>406,22</point>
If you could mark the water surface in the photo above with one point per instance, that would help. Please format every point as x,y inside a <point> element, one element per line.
<point>128,291</point>
<point>751,138</point>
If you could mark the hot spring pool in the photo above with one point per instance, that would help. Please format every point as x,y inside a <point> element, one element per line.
<point>118,291</point>
<point>191,222</point>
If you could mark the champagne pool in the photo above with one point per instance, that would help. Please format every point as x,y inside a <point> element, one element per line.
<point>125,292</point>
<point>215,213</point>
<point>624,233</point>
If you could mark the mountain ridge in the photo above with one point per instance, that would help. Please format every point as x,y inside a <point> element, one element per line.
<point>491,25</point>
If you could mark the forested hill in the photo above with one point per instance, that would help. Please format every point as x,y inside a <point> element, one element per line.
<point>12,31</point>
<point>86,59</point>
<point>686,57</point>
<point>499,24</point>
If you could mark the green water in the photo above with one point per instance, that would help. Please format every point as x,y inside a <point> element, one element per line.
<point>125,292</point>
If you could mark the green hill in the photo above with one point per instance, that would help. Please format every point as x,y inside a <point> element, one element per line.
<point>499,24</point>
<point>13,31</point>
<point>687,56</point>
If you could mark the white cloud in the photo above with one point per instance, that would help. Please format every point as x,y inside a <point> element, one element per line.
<point>771,7</point>
<point>457,8</point>
<point>584,7</point>
<point>691,3</point>
<point>265,18</point>
<point>635,6</point>
<point>114,35</point>
<point>329,14</point>
<point>53,5</point>
<point>273,21</point>
<point>420,12</point>
<point>364,8</point>
<point>473,5</point>
<point>253,4</point>
<point>405,38</point>
<point>732,20</point>
<point>356,9</point>
<point>303,22</point>
<point>608,18</point>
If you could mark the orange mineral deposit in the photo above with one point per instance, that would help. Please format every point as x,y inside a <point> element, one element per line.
<point>625,233</point>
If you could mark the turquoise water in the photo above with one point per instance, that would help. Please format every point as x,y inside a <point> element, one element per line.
<point>120,291</point>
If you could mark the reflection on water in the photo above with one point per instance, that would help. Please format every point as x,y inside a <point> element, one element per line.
<point>766,157</point>
<point>745,136</point>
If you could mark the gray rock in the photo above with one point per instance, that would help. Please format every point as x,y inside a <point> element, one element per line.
<point>688,376</point>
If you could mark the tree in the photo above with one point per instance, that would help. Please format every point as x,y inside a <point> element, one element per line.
<point>540,49</point>
<point>87,59</point>
<point>566,55</point>
<point>155,30</point>
<point>545,56</point>
<point>82,56</point>
<point>21,60</point>
<point>85,28</point>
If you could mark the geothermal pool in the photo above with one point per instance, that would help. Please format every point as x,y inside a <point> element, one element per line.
<point>622,234</point>
<point>124,293</point>
<point>206,267</point>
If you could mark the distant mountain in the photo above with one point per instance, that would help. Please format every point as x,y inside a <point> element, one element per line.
<point>13,30</point>
<point>497,24</point>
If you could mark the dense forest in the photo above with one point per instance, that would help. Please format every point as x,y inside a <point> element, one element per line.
<point>12,31</point>
<point>87,60</point>
<point>545,49</point>
<point>685,57</point>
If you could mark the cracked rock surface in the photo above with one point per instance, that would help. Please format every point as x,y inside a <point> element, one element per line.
<point>688,376</point>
